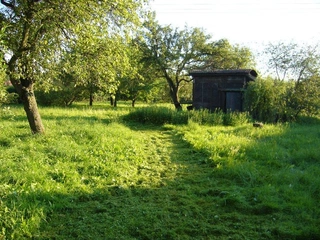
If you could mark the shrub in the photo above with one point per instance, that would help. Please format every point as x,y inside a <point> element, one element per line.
<point>199,116</point>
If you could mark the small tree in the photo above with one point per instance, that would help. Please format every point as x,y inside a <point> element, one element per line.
<point>98,62</point>
<point>63,90</point>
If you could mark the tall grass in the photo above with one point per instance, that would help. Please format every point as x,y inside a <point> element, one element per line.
<point>165,115</point>
<point>95,176</point>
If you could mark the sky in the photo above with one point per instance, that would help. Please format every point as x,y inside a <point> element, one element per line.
<point>251,23</point>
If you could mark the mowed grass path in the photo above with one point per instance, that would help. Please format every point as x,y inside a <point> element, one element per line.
<point>93,176</point>
<point>164,199</point>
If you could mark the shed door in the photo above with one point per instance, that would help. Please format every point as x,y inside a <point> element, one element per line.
<point>234,101</point>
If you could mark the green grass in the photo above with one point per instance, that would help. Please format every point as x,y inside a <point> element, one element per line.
<point>95,176</point>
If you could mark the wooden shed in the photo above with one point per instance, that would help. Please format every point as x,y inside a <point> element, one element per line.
<point>221,89</point>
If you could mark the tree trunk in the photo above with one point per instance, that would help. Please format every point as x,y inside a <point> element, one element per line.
<point>116,97</point>
<point>91,99</point>
<point>31,108</point>
<point>133,102</point>
<point>175,99</point>
<point>178,106</point>
<point>174,94</point>
<point>111,100</point>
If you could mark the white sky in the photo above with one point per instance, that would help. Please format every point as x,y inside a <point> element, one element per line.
<point>252,23</point>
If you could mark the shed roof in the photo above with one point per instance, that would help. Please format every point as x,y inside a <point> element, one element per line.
<point>231,72</point>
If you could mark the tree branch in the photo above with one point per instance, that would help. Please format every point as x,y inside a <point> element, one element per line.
<point>8,4</point>
<point>185,80</point>
<point>12,3</point>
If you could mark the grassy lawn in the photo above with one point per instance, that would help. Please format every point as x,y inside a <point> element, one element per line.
<point>95,176</point>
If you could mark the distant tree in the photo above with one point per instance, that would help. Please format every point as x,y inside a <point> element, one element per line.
<point>38,31</point>
<point>292,61</point>
<point>97,63</point>
<point>139,78</point>
<point>173,52</point>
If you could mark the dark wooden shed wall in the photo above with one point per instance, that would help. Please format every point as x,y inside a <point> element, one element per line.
<point>220,89</point>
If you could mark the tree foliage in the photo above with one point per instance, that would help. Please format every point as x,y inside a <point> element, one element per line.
<point>143,81</point>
